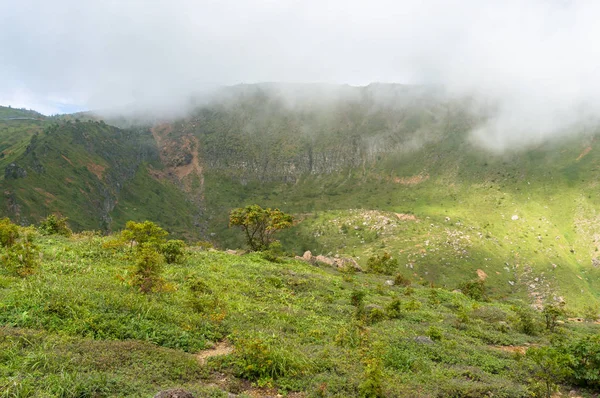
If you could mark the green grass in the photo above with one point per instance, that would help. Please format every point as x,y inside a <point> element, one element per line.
<point>77,328</point>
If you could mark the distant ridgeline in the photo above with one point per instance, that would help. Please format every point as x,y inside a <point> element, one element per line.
<point>366,170</point>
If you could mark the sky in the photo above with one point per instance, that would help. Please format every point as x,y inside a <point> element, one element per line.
<point>537,60</point>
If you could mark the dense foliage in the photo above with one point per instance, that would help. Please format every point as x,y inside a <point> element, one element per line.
<point>259,225</point>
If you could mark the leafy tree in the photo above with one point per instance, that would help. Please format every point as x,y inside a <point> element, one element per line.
<point>586,361</point>
<point>551,314</point>
<point>553,365</point>
<point>259,224</point>
<point>144,232</point>
<point>55,225</point>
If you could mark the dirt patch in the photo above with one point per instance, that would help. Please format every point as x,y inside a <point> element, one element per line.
<point>49,197</point>
<point>96,169</point>
<point>584,152</point>
<point>181,158</point>
<point>481,274</point>
<point>414,180</point>
<point>220,349</point>
<point>515,349</point>
<point>67,159</point>
<point>406,217</point>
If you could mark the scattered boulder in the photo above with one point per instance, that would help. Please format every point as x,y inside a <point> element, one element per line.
<point>174,393</point>
<point>424,340</point>
<point>307,256</point>
<point>337,261</point>
<point>14,171</point>
<point>389,282</point>
<point>514,218</point>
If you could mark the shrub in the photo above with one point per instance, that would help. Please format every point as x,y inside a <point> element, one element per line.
<point>552,366</point>
<point>22,258</point>
<point>382,264</point>
<point>394,309</point>
<point>201,297</point>
<point>55,225</point>
<point>147,270</point>
<point>474,289</point>
<point>586,361</point>
<point>257,359</point>
<point>435,333</point>
<point>9,233</point>
<point>143,233</point>
<point>173,251</point>
<point>204,245</point>
<point>372,384</point>
<point>273,253</point>
<point>526,322</point>
<point>357,298</point>
<point>401,280</point>
<point>373,314</point>
<point>551,314</point>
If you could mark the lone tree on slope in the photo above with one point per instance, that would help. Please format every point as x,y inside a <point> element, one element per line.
<point>259,224</point>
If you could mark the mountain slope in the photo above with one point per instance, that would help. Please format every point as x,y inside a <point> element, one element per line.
<point>95,174</point>
<point>341,159</point>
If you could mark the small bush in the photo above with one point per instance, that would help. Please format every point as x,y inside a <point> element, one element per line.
<point>9,233</point>
<point>474,289</point>
<point>201,297</point>
<point>173,251</point>
<point>401,280</point>
<point>147,270</point>
<point>382,264</point>
<point>526,321</point>
<point>373,314</point>
<point>55,225</point>
<point>394,309</point>
<point>357,298</point>
<point>204,245</point>
<point>273,253</point>
<point>435,333</point>
<point>22,258</point>
<point>256,359</point>
<point>143,232</point>
<point>372,384</point>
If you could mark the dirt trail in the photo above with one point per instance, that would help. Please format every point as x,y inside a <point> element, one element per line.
<point>221,348</point>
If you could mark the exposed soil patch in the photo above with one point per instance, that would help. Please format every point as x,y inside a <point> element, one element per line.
<point>481,274</point>
<point>96,169</point>
<point>67,159</point>
<point>220,349</point>
<point>49,197</point>
<point>180,156</point>
<point>584,152</point>
<point>516,349</point>
<point>406,217</point>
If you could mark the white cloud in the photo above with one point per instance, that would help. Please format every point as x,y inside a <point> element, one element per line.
<point>538,58</point>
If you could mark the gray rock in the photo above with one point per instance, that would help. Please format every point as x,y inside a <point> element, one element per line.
<point>423,340</point>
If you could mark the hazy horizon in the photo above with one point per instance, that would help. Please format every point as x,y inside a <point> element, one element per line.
<point>534,59</point>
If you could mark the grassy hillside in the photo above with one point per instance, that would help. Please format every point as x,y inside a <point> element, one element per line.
<point>95,174</point>
<point>341,159</point>
<point>76,327</point>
